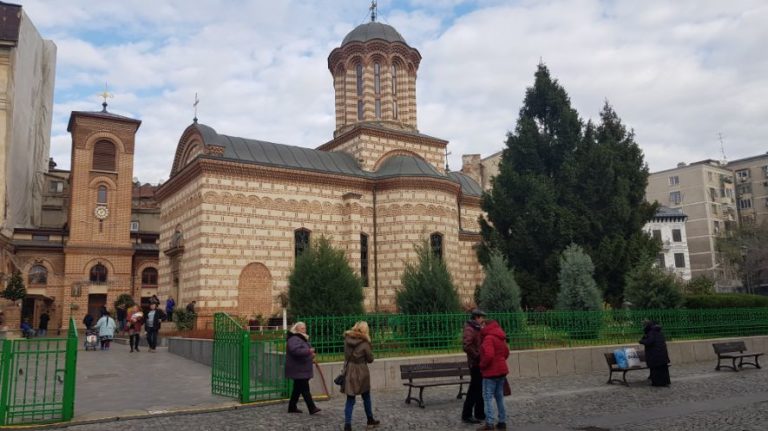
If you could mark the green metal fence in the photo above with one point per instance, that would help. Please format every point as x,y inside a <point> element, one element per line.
<point>405,335</point>
<point>37,379</point>
<point>248,366</point>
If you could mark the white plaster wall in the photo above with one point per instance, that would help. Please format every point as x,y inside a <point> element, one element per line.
<point>670,247</point>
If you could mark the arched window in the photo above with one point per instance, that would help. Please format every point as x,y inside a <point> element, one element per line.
<point>149,277</point>
<point>98,274</point>
<point>104,156</point>
<point>101,195</point>
<point>377,88</point>
<point>38,275</point>
<point>436,244</point>
<point>359,72</point>
<point>301,241</point>
<point>364,258</point>
<point>394,91</point>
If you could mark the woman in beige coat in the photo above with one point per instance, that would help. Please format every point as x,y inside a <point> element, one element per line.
<point>357,355</point>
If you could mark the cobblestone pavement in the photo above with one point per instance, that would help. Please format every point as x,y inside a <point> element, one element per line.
<point>699,399</point>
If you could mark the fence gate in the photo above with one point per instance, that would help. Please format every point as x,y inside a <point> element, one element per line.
<point>37,379</point>
<point>248,366</point>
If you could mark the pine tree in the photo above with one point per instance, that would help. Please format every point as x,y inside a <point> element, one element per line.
<point>427,285</point>
<point>323,284</point>
<point>499,291</point>
<point>14,289</point>
<point>578,290</point>
<point>651,288</point>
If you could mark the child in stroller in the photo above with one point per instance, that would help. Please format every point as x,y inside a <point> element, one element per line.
<point>91,339</point>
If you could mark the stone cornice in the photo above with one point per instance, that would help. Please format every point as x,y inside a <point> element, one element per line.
<point>363,129</point>
<point>372,47</point>
<point>467,200</point>
<point>470,236</point>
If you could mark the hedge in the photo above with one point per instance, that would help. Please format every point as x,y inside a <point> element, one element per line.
<point>726,300</point>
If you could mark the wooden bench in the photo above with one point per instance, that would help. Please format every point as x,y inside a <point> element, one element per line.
<point>614,368</point>
<point>734,350</point>
<point>428,375</point>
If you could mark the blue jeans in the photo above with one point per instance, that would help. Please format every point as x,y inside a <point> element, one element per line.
<point>351,404</point>
<point>494,389</point>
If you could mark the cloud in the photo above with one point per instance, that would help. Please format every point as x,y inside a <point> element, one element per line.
<point>677,72</point>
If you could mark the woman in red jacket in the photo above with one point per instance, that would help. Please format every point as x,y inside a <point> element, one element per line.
<point>493,365</point>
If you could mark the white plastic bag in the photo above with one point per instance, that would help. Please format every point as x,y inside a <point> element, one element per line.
<point>633,360</point>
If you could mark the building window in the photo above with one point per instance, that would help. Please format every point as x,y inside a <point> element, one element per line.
<point>765,171</point>
<point>742,175</point>
<point>436,243</point>
<point>745,204</point>
<point>660,260</point>
<point>679,260</point>
<point>394,91</point>
<point>709,175</point>
<point>101,195</point>
<point>742,189</point>
<point>38,275</point>
<point>656,235</point>
<point>712,194</point>
<point>716,227</point>
<point>301,241</point>
<point>714,210</point>
<point>134,226</point>
<point>674,180</point>
<point>56,187</point>
<point>149,277</point>
<point>359,71</point>
<point>675,198</point>
<point>377,88</point>
<point>677,235</point>
<point>364,258</point>
<point>104,156</point>
<point>98,274</point>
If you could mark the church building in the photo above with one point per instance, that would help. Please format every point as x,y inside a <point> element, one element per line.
<point>236,211</point>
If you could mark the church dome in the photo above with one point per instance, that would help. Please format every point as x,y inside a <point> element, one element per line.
<point>373,30</point>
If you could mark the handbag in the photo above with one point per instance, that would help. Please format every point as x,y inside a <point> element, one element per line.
<point>507,388</point>
<point>342,377</point>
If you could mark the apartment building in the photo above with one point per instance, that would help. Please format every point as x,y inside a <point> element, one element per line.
<point>705,192</point>
<point>751,176</point>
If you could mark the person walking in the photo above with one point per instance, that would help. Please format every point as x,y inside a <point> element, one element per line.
<point>471,340</point>
<point>88,321</point>
<point>152,325</point>
<point>42,328</point>
<point>656,355</point>
<point>106,327</point>
<point>493,366</point>
<point>170,304</point>
<point>298,367</point>
<point>135,323</point>
<point>357,355</point>
<point>191,307</point>
<point>121,315</point>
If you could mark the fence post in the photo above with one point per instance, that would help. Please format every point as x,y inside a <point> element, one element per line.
<point>245,366</point>
<point>5,384</point>
<point>70,373</point>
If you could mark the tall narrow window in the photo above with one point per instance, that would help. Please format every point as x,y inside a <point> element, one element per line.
<point>436,243</point>
<point>149,277</point>
<point>301,241</point>
<point>101,195</point>
<point>359,71</point>
<point>364,258</point>
<point>104,156</point>
<point>394,91</point>
<point>377,88</point>
<point>98,274</point>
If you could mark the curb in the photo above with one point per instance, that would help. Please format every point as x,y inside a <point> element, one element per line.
<point>131,415</point>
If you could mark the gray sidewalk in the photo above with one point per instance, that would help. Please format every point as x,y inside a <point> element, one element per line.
<point>118,383</point>
<point>699,399</point>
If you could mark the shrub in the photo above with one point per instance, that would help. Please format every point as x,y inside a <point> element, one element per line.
<point>726,300</point>
<point>15,289</point>
<point>499,291</point>
<point>578,290</point>
<point>700,285</point>
<point>185,320</point>
<point>323,284</point>
<point>125,299</point>
<point>649,287</point>
<point>427,285</point>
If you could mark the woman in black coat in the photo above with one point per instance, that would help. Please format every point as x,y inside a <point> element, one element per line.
<point>656,355</point>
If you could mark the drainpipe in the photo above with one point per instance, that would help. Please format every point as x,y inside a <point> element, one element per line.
<point>375,257</point>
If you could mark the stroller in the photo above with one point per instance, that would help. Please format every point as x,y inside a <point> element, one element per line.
<point>91,339</point>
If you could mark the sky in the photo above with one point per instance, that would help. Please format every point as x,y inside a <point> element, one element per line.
<point>680,73</point>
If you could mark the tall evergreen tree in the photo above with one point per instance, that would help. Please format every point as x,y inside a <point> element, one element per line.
<point>427,285</point>
<point>14,289</point>
<point>499,291</point>
<point>578,290</point>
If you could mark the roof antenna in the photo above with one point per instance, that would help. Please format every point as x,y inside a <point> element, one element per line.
<point>105,95</point>
<point>374,10</point>
<point>722,148</point>
<point>195,106</point>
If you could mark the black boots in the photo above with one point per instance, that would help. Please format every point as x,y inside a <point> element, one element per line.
<point>373,422</point>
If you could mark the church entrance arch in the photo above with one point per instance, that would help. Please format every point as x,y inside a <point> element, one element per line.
<point>254,291</point>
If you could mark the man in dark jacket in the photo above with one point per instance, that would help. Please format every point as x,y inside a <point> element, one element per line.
<point>656,355</point>
<point>471,341</point>
<point>42,328</point>
<point>152,325</point>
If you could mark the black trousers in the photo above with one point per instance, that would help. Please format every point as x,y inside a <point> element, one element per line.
<point>474,398</point>
<point>134,341</point>
<point>301,387</point>
<point>152,338</point>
